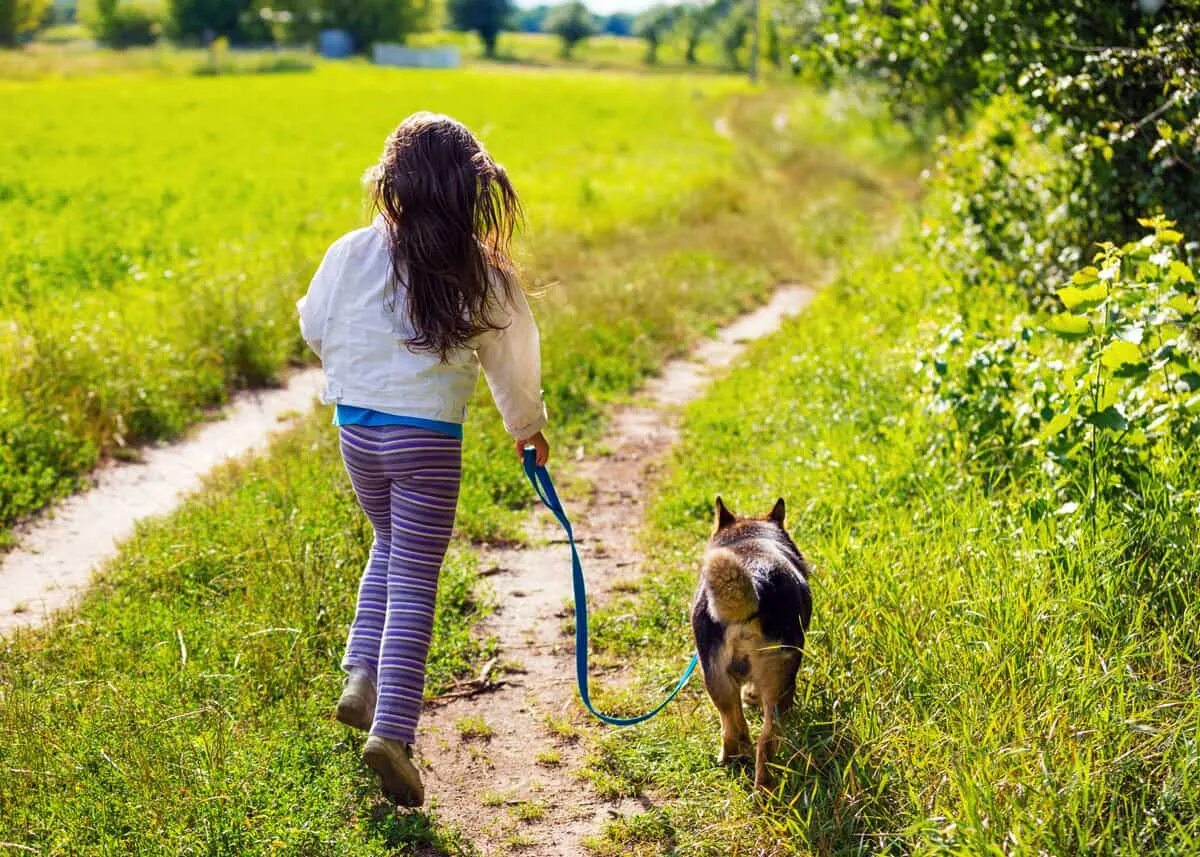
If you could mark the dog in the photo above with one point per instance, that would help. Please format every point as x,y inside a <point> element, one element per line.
<point>750,615</point>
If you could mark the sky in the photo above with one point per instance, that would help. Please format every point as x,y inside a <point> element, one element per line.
<point>600,7</point>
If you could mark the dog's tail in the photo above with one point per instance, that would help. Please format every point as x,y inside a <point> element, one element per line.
<point>731,595</point>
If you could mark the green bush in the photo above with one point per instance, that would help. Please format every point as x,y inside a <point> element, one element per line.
<point>18,17</point>
<point>485,17</point>
<point>1103,397</point>
<point>370,21</point>
<point>206,19</point>
<point>129,26</point>
<point>571,22</point>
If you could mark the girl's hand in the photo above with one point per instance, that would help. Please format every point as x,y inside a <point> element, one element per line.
<point>540,445</point>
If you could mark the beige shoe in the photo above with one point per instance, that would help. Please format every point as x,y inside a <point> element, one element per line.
<point>398,776</point>
<point>357,705</point>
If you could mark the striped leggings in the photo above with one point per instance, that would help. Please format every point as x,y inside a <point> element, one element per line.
<point>406,480</point>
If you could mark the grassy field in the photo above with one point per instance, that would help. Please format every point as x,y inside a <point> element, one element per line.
<point>598,52</point>
<point>157,234</point>
<point>185,706</point>
<point>984,675</point>
<point>69,53</point>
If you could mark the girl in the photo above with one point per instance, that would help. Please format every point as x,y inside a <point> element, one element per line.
<point>402,314</point>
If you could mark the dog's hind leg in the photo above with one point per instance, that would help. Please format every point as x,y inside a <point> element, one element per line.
<point>776,683</point>
<point>735,733</point>
<point>768,741</point>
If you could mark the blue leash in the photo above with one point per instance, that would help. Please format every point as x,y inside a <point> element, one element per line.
<point>539,477</point>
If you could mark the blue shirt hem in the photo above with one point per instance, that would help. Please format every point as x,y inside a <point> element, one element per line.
<point>349,415</point>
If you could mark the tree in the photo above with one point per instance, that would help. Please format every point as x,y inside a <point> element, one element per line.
<point>532,20</point>
<point>694,20</point>
<point>734,31</point>
<point>18,17</point>
<point>571,22</point>
<point>1122,78</point>
<point>653,25</point>
<point>485,17</point>
<point>369,21</point>
<point>207,19</point>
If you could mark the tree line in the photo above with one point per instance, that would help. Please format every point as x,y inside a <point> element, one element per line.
<point>725,24</point>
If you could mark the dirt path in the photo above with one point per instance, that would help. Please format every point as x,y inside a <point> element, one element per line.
<point>58,551</point>
<point>515,788</point>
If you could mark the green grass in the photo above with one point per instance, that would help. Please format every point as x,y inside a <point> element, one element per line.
<point>184,707</point>
<point>69,52</point>
<point>473,728</point>
<point>976,681</point>
<point>155,234</point>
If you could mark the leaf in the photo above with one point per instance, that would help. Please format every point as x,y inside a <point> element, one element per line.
<point>1055,426</point>
<point>1110,418</point>
<point>1083,299</point>
<point>1139,371</point>
<point>1182,304</point>
<point>1181,272</point>
<point>1069,326</point>
<point>1088,275</point>
<point>1118,353</point>
<point>1109,396</point>
<point>1170,236</point>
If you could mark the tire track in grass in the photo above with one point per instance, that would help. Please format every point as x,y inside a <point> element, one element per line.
<point>500,753</point>
<point>57,551</point>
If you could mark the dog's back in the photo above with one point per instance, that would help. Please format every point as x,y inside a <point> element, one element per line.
<point>753,592</point>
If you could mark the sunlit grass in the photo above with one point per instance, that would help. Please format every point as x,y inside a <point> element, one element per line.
<point>156,234</point>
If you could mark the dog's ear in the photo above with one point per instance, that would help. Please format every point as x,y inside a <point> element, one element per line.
<point>724,516</point>
<point>777,512</point>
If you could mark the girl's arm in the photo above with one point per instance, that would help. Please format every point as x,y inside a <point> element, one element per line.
<point>512,363</point>
<point>314,306</point>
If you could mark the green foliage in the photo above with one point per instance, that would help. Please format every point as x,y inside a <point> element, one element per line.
<point>1107,413</point>
<point>126,25</point>
<point>694,20</point>
<point>486,17</point>
<point>18,17</point>
<point>203,20</point>
<point>370,21</point>
<point>1016,200</point>
<point>1123,81</point>
<point>735,28</point>
<point>572,23</point>
<point>653,26</point>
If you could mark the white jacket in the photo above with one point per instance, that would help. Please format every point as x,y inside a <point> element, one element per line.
<point>362,345</point>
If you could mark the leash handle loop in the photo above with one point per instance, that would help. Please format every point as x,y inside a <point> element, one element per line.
<point>543,486</point>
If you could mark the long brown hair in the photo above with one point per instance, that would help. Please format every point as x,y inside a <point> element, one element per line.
<point>451,212</point>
